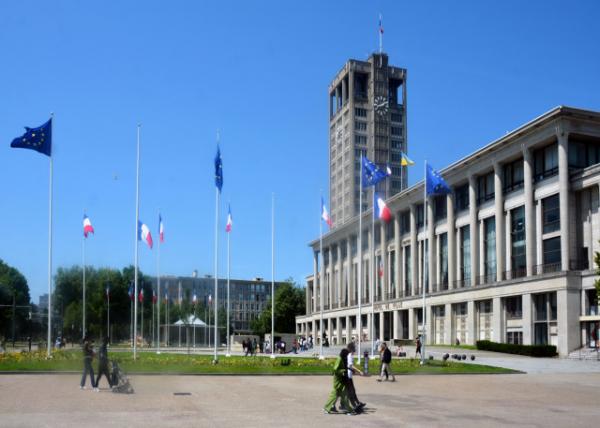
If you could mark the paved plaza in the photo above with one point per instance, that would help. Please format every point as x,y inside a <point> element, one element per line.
<point>531,400</point>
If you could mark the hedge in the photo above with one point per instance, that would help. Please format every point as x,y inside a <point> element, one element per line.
<point>508,348</point>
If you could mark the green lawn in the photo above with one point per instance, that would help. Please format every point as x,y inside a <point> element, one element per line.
<point>202,364</point>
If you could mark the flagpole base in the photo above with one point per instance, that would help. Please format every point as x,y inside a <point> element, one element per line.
<point>228,355</point>
<point>273,356</point>
<point>321,357</point>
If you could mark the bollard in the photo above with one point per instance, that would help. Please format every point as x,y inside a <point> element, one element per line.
<point>366,363</point>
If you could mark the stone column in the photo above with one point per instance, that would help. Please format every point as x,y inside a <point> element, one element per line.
<point>448,333</point>
<point>451,241</point>
<point>482,250</point>
<point>398,271</point>
<point>472,332</point>
<point>344,91</point>
<point>529,211</point>
<point>411,324</point>
<point>313,331</point>
<point>381,326</point>
<point>508,242</point>
<point>338,326</point>
<point>371,265</point>
<point>499,206</point>
<point>348,329</point>
<point>429,325</point>
<point>459,256</point>
<point>414,249</point>
<point>315,281</point>
<point>474,229</point>
<point>527,319</point>
<point>497,320</point>
<point>396,330</point>
<point>385,286</point>
<point>340,275</point>
<point>350,261</point>
<point>568,309</point>
<point>539,248</point>
<point>431,246</point>
<point>369,323</point>
<point>563,189</point>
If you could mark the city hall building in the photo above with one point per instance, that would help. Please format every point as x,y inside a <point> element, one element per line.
<point>506,256</point>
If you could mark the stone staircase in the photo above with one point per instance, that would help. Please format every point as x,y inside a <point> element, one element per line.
<point>585,354</point>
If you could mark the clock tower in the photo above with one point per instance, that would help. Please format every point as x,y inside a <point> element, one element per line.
<point>367,114</point>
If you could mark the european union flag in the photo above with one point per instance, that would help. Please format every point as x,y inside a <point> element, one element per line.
<point>371,174</point>
<point>434,182</point>
<point>218,170</point>
<point>38,139</point>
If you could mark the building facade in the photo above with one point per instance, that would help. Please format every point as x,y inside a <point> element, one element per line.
<point>367,115</point>
<point>248,298</point>
<point>507,256</point>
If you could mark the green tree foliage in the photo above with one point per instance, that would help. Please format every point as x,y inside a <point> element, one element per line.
<point>13,283</point>
<point>289,303</point>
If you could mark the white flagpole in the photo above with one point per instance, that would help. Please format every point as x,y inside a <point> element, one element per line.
<point>108,315</point>
<point>380,34</point>
<point>359,238</point>
<point>179,304</point>
<point>152,324</point>
<point>228,279</point>
<point>373,278</point>
<point>50,247</point>
<point>217,198</point>
<point>272,275</point>
<point>424,258</point>
<point>158,290</point>
<point>137,219</point>
<point>83,260</point>
<point>321,275</point>
<point>142,311</point>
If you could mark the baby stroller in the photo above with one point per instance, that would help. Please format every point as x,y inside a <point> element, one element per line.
<point>120,381</point>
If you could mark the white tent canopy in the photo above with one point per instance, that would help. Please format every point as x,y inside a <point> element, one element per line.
<point>191,320</point>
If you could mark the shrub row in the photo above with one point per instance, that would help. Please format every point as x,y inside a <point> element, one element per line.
<point>508,348</point>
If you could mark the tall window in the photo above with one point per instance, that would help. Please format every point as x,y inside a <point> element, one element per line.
<point>465,254</point>
<point>407,271</point>
<point>513,176</point>
<point>552,254</point>
<point>551,214</point>
<point>514,307</point>
<point>461,198</point>
<point>439,207</point>
<point>485,188</point>
<point>489,225</point>
<point>420,216</point>
<point>443,261</point>
<point>545,162</point>
<point>583,154</point>
<point>517,235</point>
<point>404,222</point>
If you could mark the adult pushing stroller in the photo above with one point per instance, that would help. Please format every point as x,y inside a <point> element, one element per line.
<point>120,381</point>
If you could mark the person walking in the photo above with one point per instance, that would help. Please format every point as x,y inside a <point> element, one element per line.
<point>386,360</point>
<point>354,401</point>
<point>418,343</point>
<point>88,355</point>
<point>103,363</point>
<point>339,386</point>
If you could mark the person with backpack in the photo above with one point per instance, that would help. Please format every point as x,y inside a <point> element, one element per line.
<point>103,363</point>
<point>386,360</point>
<point>88,355</point>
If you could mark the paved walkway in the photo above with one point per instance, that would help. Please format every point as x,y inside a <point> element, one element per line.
<point>561,400</point>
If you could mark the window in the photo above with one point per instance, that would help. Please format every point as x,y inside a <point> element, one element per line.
<point>396,117</point>
<point>360,112</point>
<point>360,125</point>
<point>397,131</point>
<point>514,337</point>
<point>513,176</point>
<point>485,188</point>
<point>439,207</point>
<point>583,154</point>
<point>551,214</point>
<point>461,197</point>
<point>443,256</point>
<point>404,222</point>
<point>420,216</point>
<point>517,235</point>
<point>552,254</point>
<point>465,253</point>
<point>360,139</point>
<point>407,271</point>
<point>514,307</point>
<point>489,246</point>
<point>545,162</point>
<point>396,144</point>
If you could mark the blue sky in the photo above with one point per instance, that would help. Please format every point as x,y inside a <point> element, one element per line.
<point>259,72</point>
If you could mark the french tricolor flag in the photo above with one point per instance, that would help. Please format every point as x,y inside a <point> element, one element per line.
<point>325,214</point>
<point>141,296</point>
<point>381,209</point>
<point>161,230</point>
<point>144,234</point>
<point>229,221</point>
<point>87,226</point>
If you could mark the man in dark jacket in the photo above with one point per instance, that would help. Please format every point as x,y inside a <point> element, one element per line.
<point>103,363</point>
<point>88,355</point>
<point>386,360</point>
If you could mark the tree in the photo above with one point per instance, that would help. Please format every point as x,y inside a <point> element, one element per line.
<point>289,303</point>
<point>13,283</point>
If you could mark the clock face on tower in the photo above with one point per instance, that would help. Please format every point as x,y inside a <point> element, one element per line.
<point>380,104</point>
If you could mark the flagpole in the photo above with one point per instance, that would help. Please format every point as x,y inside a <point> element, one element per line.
<point>152,324</point>
<point>380,35</point>
<point>273,275</point>
<point>373,278</point>
<point>83,260</point>
<point>217,197</point>
<point>228,279</point>
<point>359,237</point>
<point>108,314</point>
<point>50,246</point>
<point>142,313</point>
<point>158,288</point>
<point>321,274</point>
<point>137,219</point>
<point>424,258</point>
<point>179,303</point>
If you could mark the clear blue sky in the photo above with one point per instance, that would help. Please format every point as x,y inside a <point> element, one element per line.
<point>258,71</point>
